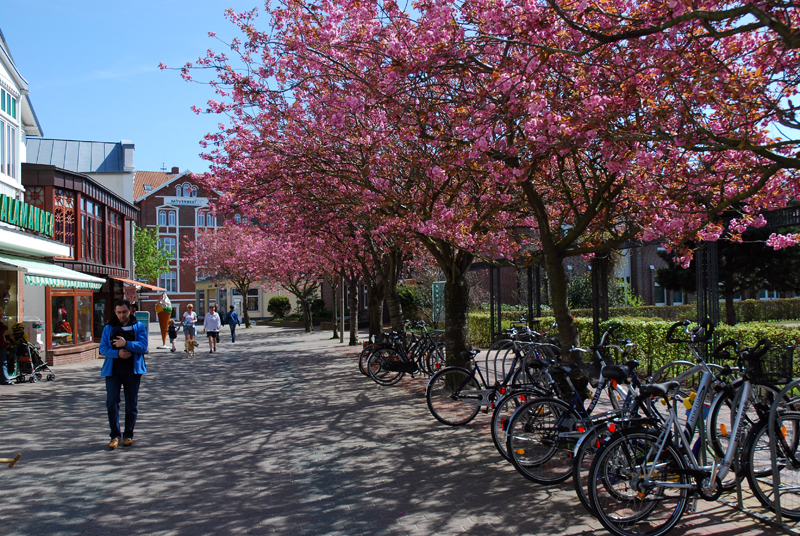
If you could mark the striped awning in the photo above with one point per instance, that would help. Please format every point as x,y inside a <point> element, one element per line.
<point>44,274</point>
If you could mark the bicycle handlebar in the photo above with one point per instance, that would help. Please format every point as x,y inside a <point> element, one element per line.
<point>699,334</point>
<point>721,352</point>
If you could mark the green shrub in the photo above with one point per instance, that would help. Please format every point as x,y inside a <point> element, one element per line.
<point>279,306</point>
<point>411,301</point>
<point>652,351</point>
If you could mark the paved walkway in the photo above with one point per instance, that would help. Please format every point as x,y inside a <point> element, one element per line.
<point>276,434</point>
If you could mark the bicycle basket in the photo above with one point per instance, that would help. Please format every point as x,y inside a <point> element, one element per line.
<point>774,365</point>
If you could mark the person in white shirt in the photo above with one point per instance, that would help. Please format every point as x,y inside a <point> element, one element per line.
<point>189,320</point>
<point>212,323</point>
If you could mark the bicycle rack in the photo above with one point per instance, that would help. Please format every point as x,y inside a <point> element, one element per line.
<point>773,413</point>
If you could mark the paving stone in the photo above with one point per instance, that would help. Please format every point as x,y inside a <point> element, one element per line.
<point>277,434</point>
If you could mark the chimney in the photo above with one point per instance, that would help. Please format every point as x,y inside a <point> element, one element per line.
<point>176,170</point>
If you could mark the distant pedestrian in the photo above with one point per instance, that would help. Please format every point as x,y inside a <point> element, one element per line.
<point>212,323</point>
<point>232,319</point>
<point>4,379</point>
<point>172,331</point>
<point>123,344</point>
<point>189,320</point>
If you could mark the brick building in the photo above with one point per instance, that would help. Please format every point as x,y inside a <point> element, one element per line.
<point>179,206</point>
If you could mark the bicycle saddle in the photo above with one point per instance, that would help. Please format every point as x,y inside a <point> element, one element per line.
<point>619,373</point>
<point>658,389</point>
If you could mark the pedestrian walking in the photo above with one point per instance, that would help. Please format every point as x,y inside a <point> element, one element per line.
<point>211,323</point>
<point>232,319</point>
<point>123,344</point>
<point>189,320</point>
<point>4,379</point>
<point>172,331</point>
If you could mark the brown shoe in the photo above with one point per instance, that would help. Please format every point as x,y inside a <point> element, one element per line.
<point>114,443</point>
<point>127,442</point>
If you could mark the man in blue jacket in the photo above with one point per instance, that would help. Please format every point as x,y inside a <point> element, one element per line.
<point>123,344</point>
<point>232,319</point>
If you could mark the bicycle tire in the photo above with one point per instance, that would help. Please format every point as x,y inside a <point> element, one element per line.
<point>502,415</point>
<point>757,464</point>
<point>435,360</point>
<point>377,370</point>
<point>622,502</point>
<point>448,396</point>
<point>587,447</point>
<point>536,443</point>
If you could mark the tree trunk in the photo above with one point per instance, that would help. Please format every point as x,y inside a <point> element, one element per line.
<point>390,290</point>
<point>353,312</point>
<point>375,306</point>
<point>730,310</point>
<point>456,309</point>
<point>245,316</point>
<point>305,305</point>
<point>559,301</point>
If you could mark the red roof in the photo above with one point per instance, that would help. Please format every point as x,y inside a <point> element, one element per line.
<point>152,178</point>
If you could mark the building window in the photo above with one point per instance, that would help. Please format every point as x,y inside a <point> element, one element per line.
<point>194,191</point>
<point>92,230</point>
<point>115,234</point>
<point>677,297</point>
<point>162,218</point>
<point>201,303</point>
<point>170,245</point>
<point>8,104</point>
<point>187,190</point>
<point>64,216</point>
<point>178,191</point>
<point>211,221</point>
<point>660,294</point>
<point>768,295</point>
<point>169,280</point>
<point>252,299</point>
<point>8,149</point>
<point>171,218</point>
<point>238,218</point>
<point>201,219</point>
<point>366,298</point>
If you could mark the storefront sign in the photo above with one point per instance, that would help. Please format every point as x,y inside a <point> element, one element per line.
<point>186,201</point>
<point>25,216</point>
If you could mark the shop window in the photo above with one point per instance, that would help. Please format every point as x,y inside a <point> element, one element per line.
<point>71,317</point>
<point>201,303</point>
<point>63,321</point>
<point>252,299</point>
<point>99,317</point>
<point>8,297</point>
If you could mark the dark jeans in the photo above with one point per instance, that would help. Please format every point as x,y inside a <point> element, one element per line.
<point>4,377</point>
<point>130,382</point>
<point>233,332</point>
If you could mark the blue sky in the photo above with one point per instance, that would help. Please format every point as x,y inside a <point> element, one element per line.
<point>92,70</point>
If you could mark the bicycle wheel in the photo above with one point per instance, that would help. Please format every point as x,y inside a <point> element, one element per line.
<point>540,439</point>
<point>723,411</point>
<point>452,396</point>
<point>376,366</point>
<point>624,485</point>
<point>435,359</point>
<point>363,357</point>
<point>758,465</point>
<point>588,445</point>
<point>502,415</point>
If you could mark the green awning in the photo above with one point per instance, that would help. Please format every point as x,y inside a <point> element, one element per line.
<point>44,274</point>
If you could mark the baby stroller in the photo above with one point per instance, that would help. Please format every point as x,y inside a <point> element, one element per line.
<point>22,358</point>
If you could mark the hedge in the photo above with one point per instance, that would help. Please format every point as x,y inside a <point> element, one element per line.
<point>746,311</point>
<point>649,334</point>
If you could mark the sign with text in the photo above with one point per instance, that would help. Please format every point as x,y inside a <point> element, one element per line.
<point>25,216</point>
<point>186,201</point>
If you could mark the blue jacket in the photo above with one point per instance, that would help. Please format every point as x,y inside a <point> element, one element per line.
<point>232,318</point>
<point>138,347</point>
